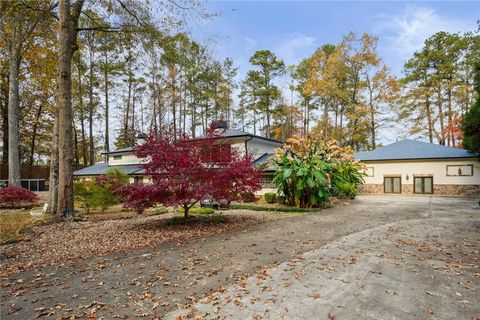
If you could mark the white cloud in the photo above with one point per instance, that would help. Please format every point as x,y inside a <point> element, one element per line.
<point>294,47</point>
<point>250,40</point>
<point>406,31</point>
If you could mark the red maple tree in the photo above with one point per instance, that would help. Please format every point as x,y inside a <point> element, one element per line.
<point>13,196</point>
<point>185,170</point>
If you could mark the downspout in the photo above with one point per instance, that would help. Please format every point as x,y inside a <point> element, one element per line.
<point>246,144</point>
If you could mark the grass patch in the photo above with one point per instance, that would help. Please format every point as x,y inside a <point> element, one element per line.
<point>198,210</point>
<point>158,210</point>
<point>275,209</point>
<point>214,218</point>
<point>16,226</point>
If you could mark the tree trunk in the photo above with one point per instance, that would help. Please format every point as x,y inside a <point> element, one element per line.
<point>132,129</point>
<point>4,106</point>
<point>325,120</point>
<point>451,135</point>
<point>441,115</point>
<point>174,108</point>
<point>66,46</point>
<point>53,181</point>
<point>82,115</point>
<point>91,108</point>
<point>34,135</point>
<point>373,127</point>
<point>13,119</point>
<point>127,111</point>
<point>75,141</point>
<point>107,129</point>
<point>429,119</point>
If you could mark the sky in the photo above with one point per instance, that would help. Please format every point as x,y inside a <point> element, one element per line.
<point>294,29</point>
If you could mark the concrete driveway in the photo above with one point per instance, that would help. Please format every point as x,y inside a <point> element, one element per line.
<point>382,257</point>
<point>423,268</point>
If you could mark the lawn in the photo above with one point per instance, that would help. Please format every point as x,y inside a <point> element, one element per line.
<point>16,225</point>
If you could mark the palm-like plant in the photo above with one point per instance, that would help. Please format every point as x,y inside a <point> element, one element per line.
<point>307,171</point>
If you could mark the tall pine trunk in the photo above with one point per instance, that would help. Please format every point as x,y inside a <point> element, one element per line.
<point>53,181</point>
<point>373,128</point>
<point>13,119</point>
<point>107,111</point>
<point>34,134</point>
<point>441,115</point>
<point>4,87</point>
<point>429,119</point>
<point>127,111</point>
<point>91,107</point>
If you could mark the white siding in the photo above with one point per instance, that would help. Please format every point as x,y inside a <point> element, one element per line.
<point>437,169</point>
<point>256,147</point>
<point>126,159</point>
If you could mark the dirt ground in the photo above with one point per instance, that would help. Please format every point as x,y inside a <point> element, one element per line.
<point>382,257</point>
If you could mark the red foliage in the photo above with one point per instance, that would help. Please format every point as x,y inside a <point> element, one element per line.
<point>186,170</point>
<point>14,196</point>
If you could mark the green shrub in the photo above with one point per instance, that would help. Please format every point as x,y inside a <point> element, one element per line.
<point>281,199</point>
<point>90,195</point>
<point>345,190</point>
<point>200,219</point>
<point>270,197</point>
<point>83,193</point>
<point>346,177</point>
<point>197,210</point>
<point>160,210</point>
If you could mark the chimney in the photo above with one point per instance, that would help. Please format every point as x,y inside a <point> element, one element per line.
<point>221,124</point>
<point>141,138</point>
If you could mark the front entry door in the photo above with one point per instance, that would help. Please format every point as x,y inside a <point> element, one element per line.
<point>392,185</point>
<point>423,185</point>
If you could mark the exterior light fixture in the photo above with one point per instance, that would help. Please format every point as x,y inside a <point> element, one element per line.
<point>459,171</point>
<point>407,177</point>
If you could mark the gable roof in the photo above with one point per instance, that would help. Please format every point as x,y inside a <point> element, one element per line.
<point>122,150</point>
<point>234,133</point>
<point>412,149</point>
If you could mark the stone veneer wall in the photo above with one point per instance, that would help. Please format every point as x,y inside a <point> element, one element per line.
<point>438,189</point>
<point>461,190</point>
<point>370,188</point>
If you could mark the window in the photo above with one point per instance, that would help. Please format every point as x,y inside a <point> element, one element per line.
<point>459,170</point>
<point>423,185</point>
<point>33,184</point>
<point>266,181</point>
<point>138,180</point>
<point>369,171</point>
<point>392,184</point>
<point>117,157</point>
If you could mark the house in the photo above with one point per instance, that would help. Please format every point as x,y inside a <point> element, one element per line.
<point>32,177</point>
<point>415,167</point>
<point>260,148</point>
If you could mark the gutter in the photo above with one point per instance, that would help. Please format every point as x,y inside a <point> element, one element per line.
<point>246,143</point>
